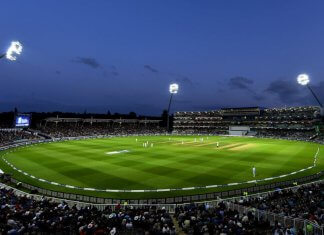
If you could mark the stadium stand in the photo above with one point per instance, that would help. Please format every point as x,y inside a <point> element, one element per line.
<point>24,215</point>
<point>206,219</point>
<point>295,122</point>
<point>306,202</point>
<point>15,135</point>
<point>73,127</point>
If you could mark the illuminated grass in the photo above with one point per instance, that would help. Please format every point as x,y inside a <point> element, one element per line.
<point>168,164</point>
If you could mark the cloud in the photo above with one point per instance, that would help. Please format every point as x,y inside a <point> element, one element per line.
<point>109,73</point>
<point>185,80</point>
<point>114,70</point>
<point>181,78</point>
<point>150,68</point>
<point>92,62</point>
<point>240,83</point>
<point>244,83</point>
<point>318,90</point>
<point>115,73</point>
<point>287,91</point>
<point>258,97</point>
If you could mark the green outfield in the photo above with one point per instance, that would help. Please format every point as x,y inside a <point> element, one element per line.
<point>123,163</point>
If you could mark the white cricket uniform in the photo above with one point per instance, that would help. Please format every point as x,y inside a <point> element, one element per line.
<point>254,171</point>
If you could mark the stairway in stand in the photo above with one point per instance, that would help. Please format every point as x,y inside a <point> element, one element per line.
<point>177,228</point>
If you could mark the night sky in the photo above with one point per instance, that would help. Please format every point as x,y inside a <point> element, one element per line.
<point>122,55</point>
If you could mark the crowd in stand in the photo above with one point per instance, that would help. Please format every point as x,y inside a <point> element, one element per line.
<point>10,136</point>
<point>306,202</point>
<point>205,219</point>
<point>295,123</point>
<point>292,135</point>
<point>24,215</point>
<point>59,130</point>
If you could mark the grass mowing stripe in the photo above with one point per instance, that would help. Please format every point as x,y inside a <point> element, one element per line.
<point>165,165</point>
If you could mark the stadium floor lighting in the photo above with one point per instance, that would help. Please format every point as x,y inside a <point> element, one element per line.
<point>303,79</point>
<point>14,50</point>
<point>173,89</point>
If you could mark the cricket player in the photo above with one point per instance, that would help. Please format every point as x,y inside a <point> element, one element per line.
<point>253,171</point>
<point>217,144</point>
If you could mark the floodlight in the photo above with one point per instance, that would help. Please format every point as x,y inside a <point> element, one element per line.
<point>303,79</point>
<point>14,50</point>
<point>174,88</point>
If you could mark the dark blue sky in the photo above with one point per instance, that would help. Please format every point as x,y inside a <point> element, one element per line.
<point>121,55</point>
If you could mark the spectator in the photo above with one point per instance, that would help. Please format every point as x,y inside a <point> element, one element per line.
<point>24,215</point>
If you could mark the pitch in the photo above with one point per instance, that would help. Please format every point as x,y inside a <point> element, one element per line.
<point>159,162</point>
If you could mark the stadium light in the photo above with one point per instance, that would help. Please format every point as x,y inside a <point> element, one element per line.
<point>173,89</point>
<point>14,50</point>
<point>303,79</point>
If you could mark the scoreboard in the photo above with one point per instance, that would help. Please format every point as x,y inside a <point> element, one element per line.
<point>22,120</point>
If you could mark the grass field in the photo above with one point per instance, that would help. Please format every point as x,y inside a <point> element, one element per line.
<point>123,162</point>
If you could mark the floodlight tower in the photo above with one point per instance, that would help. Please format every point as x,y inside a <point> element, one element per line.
<point>12,52</point>
<point>303,79</point>
<point>173,89</point>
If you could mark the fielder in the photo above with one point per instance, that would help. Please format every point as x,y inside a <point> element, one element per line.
<point>253,171</point>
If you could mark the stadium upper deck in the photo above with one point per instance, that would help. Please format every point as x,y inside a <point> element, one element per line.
<point>295,119</point>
